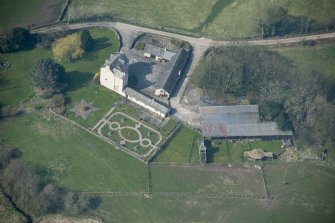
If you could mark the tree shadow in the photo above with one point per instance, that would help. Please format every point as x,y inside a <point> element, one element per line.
<point>211,150</point>
<point>76,80</point>
<point>99,44</point>
<point>139,71</point>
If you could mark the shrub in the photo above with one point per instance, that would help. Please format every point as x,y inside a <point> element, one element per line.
<point>68,48</point>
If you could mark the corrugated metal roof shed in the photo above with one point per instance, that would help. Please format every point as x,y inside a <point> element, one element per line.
<point>236,121</point>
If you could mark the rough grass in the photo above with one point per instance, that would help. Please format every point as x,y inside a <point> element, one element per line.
<point>73,158</point>
<point>238,18</point>
<point>27,13</point>
<point>182,148</point>
<point>306,182</point>
<point>320,57</point>
<point>186,14</point>
<point>213,179</point>
<point>169,209</point>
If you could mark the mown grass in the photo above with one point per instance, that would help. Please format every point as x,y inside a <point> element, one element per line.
<point>182,148</point>
<point>73,158</point>
<point>27,13</point>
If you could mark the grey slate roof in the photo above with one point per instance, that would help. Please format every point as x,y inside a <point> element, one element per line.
<point>168,79</point>
<point>118,64</point>
<point>236,121</point>
<point>158,51</point>
<point>146,100</point>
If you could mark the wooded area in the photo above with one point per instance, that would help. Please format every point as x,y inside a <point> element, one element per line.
<point>286,94</point>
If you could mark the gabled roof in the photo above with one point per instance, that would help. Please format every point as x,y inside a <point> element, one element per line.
<point>146,100</point>
<point>158,51</point>
<point>168,78</point>
<point>236,121</point>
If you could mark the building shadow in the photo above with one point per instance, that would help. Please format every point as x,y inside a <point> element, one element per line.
<point>76,80</point>
<point>138,75</point>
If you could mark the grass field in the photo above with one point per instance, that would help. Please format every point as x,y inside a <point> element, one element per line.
<point>166,209</point>
<point>307,182</point>
<point>215,18</point>
<point>74,158</point>
<point>26,13</point>
<point>320,57</point>
<point>187,14</point>
<point>182,148</point>
<point>214,180</point>
<point>238,18</point>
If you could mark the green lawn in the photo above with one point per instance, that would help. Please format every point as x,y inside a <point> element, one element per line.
<point>182,148</point>
<point>32,12</point>
<point>213,179</point>
<point>74,158</point>
<point>15,82</point>
<point>79,76</point>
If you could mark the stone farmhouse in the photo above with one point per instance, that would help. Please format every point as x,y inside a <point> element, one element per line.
<point>114,76</point>
<point>238,122</point>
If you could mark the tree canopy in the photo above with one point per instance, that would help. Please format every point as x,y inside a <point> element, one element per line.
<point>15,39</point>
<point>291,96</point>
<point>46,75</point>
<point>72,47</point>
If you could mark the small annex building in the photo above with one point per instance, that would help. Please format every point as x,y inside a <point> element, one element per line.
<point>237,122</point>
<point>158,53</point>
<point>114,76</point>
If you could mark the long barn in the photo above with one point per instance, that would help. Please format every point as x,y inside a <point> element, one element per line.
<point>238,121</point>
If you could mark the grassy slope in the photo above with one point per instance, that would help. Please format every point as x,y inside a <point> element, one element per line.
<point>23,12</point>
<point>238,18</point>
<point>74,158</point>
<point>186,14</point>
